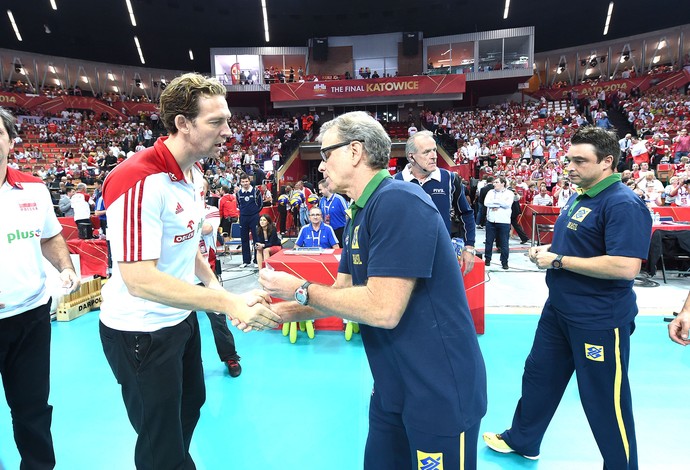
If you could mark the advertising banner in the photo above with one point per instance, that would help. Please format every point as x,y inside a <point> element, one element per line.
<point>396,86</point>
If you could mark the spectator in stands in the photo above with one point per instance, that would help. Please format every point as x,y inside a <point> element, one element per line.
<point>603,121</point>
<point>65,203</point>
<point>682,145</point>
<point>25,303</point>
<point>259,175</point>
<point>543,198</point>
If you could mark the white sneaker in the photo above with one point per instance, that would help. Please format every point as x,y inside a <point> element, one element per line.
<point>243,265</point>
<point>253,265</point>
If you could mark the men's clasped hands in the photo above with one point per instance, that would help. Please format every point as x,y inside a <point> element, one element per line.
<point>263,313</point>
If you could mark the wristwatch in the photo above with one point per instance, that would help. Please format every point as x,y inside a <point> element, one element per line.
<point>557,263</point>
<point>301,294</point>
<point>470,250</point>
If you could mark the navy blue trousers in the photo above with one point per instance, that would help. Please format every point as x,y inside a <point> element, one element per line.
<point>600,361</point>
<point>248,225</point>
<point>391,445</point>
<point>500,233</point>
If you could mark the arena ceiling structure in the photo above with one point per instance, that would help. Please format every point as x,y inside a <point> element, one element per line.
<point>168,29</point>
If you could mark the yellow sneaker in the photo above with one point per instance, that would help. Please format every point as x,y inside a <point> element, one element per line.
<point>496,443</point>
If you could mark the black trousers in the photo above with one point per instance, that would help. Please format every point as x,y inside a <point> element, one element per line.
<point>339,235</point>
<point>162,381</point>
<point>25,369</point>
<point>225,342</point>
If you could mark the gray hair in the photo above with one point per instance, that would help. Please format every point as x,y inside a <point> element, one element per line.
<point>358,125</point>
<point>9,122</point>
<point>411,146</point>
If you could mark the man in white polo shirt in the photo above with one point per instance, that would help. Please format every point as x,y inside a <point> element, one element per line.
<point>30,231</point>
<point>155,209</point>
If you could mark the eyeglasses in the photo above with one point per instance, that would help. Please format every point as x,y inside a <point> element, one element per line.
<point>314,215</point>
<point>326,151</point>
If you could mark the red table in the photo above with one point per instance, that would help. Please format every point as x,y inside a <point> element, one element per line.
<point>670,226</point>
<point>69,227</point>
<point>678,213</point>
<point>93,256</point>
<point>323,269</point>
<point>545,215</point>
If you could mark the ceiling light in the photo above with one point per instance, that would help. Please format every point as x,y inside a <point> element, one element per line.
<point>505,10</point>
<point>608,19</point>
<point>111,76</point>
<point>588,72</point>
<point>131,13</point>
<point>46,28</point>
<point>191,55</point>
<point>662,44</point>
<point>52,69</point>
<point>52,4</point>
<point>14,25</point>
<point>57,82</point>
<point>85,79</point>
<point>656,59</point>
<point>263,9</point>
<point>141,54</point>
<point>116,89</point>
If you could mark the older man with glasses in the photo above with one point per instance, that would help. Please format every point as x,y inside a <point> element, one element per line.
<point>393,279</point>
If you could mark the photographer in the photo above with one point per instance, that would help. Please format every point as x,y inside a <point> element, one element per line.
<point>562,192</point>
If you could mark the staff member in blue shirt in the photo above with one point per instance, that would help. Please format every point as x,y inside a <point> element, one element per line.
<point>333,207</point>
<point>429,379</point>
<point>317,234</point>
<point>445,189</point>
<point>600,239</point>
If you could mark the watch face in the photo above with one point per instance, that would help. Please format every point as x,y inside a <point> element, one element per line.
<point>301,296</point>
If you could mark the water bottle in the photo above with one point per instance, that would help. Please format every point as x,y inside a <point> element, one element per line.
<point>656,218</point>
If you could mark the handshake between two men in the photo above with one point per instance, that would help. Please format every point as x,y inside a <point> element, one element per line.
<point>260,313</point>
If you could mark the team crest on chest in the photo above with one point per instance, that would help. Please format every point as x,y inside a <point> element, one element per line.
<point>355,239</point>
<point>581,214</point>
